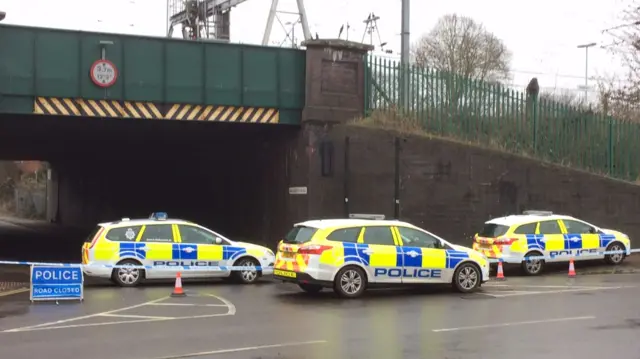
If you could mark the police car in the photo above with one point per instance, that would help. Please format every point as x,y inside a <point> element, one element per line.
<point>350,255</point>
<point>543,233</point>
<point>167,245</point>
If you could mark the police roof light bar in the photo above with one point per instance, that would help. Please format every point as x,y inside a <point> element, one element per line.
<point>538,213</point>
<point>375,217</point>
<point>159,216</point>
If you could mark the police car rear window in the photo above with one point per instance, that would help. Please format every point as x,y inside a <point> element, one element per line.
<point>493,230</point>
<point>300,234</point>
<point>123,234</point>
<point>93,233</point>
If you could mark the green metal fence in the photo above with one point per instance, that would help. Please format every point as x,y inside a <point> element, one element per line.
<point>497,116</point>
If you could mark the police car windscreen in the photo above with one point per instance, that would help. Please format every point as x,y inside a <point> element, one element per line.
<point>493,230</point>
<point>93,233</point>
<point>300,234</point>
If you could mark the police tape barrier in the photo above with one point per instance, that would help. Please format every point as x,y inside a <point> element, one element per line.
<point>563,255</point>
<point>129,266</point>
<point>176,264</point>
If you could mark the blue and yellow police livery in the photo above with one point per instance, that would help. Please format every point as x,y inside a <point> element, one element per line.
<point>350,255</point>
<point>166,246</point>
<point>545,234</point>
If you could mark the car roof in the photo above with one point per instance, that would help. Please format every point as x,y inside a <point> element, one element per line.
<point>516,219</point>
<point>142,221</point>
<point>351,222</point>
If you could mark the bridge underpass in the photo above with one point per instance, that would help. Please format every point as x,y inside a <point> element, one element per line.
<point>174,139</point>
<point>228,177</point>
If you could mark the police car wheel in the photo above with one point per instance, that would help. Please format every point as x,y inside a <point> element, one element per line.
<point>350,282</point>
<point>533,266</point>
<point>467,278</point>
<point>128,277</point>
<point>614,258</point>
<point>310,288</point>
<point>249,273</point>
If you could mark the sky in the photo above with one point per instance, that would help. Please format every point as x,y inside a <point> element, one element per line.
<point>543,35</point>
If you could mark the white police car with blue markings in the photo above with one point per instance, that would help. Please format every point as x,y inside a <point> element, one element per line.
<point>131,250</point>
<point>350,255</point>
<point>534,238</point>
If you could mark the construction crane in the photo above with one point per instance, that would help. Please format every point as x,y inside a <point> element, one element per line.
<point>201,19</point>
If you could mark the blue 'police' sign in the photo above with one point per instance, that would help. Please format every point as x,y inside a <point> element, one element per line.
<point>56,283</point>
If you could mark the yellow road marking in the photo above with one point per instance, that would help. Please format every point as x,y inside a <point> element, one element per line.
<point>12,292</point>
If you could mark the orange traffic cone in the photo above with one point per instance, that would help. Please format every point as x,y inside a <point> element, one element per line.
<point>500,275</point>
<point>177,290</point>
<point>572,268</point>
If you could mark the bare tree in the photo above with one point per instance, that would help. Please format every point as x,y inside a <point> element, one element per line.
<point>620,98</point>
<point>462,46</point>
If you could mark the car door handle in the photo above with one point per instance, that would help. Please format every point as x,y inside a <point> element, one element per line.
<point>367,251</point>
<point>413,254</point>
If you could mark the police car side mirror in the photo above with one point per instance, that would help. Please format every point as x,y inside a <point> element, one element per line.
<point>218,240</point>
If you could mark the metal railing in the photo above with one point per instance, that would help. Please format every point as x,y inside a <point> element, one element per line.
<point>498,116</point>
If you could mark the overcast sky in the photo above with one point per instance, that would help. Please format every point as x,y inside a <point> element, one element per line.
<point>542,34</point>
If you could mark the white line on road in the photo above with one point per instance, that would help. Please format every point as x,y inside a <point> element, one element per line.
<point>55,325</point>
<point>12,292</point>
<point>68,326</point>
<point>235,350</point>
<point>512,294</point>
<point>84,316</point>
<point>191,305</point>
<point>543,321</point>
<point>232,308</point>
<point>134,316</point>
<point>30,329</point>
<point>544,286</point>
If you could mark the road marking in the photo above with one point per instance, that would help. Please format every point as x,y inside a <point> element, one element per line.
<point>231,310</point>
<point>134,316</point>
<point>548,286</point>
<point>32,329</point>
<point>512,294</point>
<point>12,292</point>
<point>236,350</point>
<point>84,316</point>
<point>543,321</point>
<point>190,304</point>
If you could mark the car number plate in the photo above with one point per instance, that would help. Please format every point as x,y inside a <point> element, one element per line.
<point>284,273</point>
<point>288,255</point>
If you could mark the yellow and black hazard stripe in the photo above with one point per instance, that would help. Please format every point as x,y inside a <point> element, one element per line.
<point>148,110</point>
<point>222,113</point>
<point>96,108</point>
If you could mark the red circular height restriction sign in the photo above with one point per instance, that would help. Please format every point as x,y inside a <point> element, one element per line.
<point>103,73</point>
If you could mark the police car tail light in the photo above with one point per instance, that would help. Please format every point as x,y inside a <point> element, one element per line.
<point>504,241</point>
<point>314,249</point>
<point>95,238</point>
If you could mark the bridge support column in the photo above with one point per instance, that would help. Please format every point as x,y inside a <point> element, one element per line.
<point>335,91</point>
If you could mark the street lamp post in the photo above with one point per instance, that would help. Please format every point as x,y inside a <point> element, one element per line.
<point>586,67</point>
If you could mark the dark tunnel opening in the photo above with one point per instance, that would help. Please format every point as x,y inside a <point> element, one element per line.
<point>230,177</point>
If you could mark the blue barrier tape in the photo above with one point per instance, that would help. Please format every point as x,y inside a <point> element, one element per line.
<point>511,259</point>
<point>219,268</point>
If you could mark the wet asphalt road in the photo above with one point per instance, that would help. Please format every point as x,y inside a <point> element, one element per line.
<point>550,317</point>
